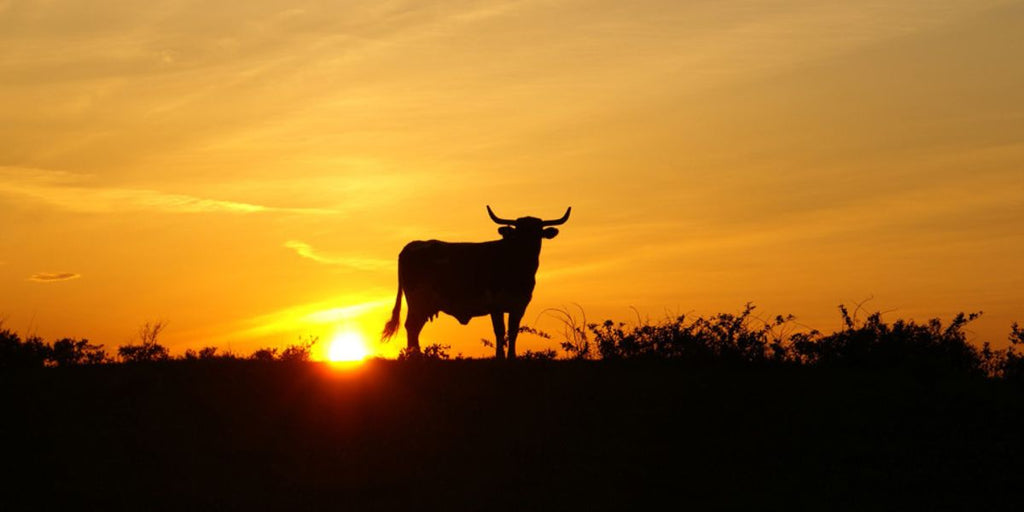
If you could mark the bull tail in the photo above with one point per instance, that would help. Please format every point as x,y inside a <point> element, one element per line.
<point>391,327</point>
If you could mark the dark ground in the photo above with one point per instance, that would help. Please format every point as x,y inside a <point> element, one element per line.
<point>481,435</point>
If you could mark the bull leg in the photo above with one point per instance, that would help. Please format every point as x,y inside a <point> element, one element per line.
<point>513,331</point>
<point>413,325</point>
<point>498,321</point>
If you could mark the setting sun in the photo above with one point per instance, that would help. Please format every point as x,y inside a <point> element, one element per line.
<point>347,346</point>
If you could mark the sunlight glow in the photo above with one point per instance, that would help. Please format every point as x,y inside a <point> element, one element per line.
<point>347,346</point>
<point>794,154</point>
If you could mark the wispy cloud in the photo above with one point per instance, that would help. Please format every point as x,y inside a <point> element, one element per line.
<point>307,316</point>
<point>51,277</point>
<point>68,191</point>
<point>306,251</point>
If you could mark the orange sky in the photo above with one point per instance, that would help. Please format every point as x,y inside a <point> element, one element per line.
<point>248,171</point>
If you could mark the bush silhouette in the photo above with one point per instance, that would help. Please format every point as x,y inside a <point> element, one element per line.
<point>906,345</point>
<point>71,352</point>
<point>15,353</point>
<point>539,355</point>
<point>300,351</point>
<point>1012,363</point>
<point>928,348</point>
<point>205,353</point>
<point>575,340</point>
<point>144,352</point>
<point>742,338</point>
<point>148,349</point>
<point>723,338</point>
<point>264,354</point>
<point>434,351</point>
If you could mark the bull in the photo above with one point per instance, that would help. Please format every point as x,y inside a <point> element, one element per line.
<point>467,280</point>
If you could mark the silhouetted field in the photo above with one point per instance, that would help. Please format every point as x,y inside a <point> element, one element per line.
<point>486,435</point>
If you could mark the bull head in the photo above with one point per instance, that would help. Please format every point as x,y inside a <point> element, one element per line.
<point>531,227</point>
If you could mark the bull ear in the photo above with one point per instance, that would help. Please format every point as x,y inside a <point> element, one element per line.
<point>549,233</point>
<point>506,231</point>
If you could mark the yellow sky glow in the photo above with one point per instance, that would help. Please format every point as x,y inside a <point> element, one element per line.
<point>249,171</point>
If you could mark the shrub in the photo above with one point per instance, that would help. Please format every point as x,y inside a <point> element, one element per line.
<point>15,353</point>
<point>148,349</point>
<point>145,352</point>
<point>205,353</point>
<point>434,351</point>
<point>575,340</point>
<point>264,354</point>
<point>725,337</point>
<point>1012,367</point>
<point>540,355</point>
<point>300,351</point>
<point>906,345</point>
<point>743,338</point>
<point>70,352</point>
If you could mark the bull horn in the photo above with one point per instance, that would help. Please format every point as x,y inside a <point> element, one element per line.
<point>558,221</point>
<point>499,220</point>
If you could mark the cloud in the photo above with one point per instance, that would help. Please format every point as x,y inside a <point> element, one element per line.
<point>72,192</point>
<point>305,316</point>
<point>51,277</point>
<point>306,251</point>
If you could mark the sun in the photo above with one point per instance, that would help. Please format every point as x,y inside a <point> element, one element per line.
<point>347,346</point>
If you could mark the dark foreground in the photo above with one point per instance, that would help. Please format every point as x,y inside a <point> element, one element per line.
<point>479,435</point>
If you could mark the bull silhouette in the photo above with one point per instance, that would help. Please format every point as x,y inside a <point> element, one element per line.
<point>466,280</point>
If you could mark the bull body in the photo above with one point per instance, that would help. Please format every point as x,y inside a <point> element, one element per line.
<point>467,280</point>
